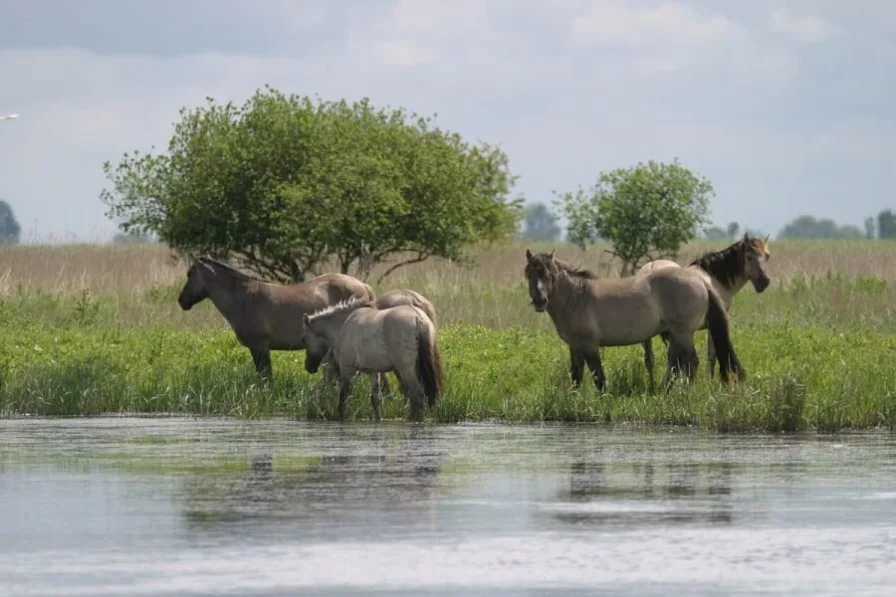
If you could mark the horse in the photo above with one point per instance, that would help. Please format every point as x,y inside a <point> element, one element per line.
<point>728,270</point>
<point>392,298</point>
<point>406,296</point>
<point>403,296</point>
<point>588,312</point>
<point>265,316</point>
<point>401,339</point>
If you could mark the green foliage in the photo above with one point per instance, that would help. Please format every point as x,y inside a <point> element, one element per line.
<point>282,183</point>
<point>812,365</point>
<point>646,212</point>
<point>9,226</point>
<point>807,226</point>
<point>540,224</point>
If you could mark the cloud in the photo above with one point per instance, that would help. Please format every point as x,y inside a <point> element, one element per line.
<point>805,29</point>
<point>668,23</point>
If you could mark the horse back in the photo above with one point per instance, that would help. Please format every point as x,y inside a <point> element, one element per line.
<point>406,296</point>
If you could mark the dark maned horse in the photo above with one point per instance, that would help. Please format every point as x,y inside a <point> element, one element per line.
<point>588,313</point>
<point>728,271</point>
<point>265,316</point>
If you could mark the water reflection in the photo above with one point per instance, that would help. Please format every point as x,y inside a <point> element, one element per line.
<point>394,480</point>
<point>193,507</point>
<point>624,494</point>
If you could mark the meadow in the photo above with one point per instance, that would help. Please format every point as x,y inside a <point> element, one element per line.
<point>96,329</point>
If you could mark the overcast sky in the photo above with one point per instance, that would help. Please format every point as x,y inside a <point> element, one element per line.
<point>788,107</point>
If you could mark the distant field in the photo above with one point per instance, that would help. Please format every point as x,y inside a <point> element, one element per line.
<point>86,329</point>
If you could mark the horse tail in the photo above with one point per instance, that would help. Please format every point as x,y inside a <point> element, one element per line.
<point>720,333</point>
<point>429,361</point>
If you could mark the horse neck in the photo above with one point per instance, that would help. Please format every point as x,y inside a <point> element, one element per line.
<point>726,287</point>
<point>563,291</point>
<point>230,297</point>
<point>333,325</point>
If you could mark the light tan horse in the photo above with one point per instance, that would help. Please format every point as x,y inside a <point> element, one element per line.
<point>362,338</point>
<point>402,296</point>
<point>265,316</point>
<point>728,271</point>
<point>588,313</point>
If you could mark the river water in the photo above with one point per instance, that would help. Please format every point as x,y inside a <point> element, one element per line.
<point>175,506</point>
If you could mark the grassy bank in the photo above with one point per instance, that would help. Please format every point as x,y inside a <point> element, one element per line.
<point>96,330</point>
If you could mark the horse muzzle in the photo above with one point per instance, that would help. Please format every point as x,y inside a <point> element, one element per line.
<point>539,305</point>
<point>761,284</point>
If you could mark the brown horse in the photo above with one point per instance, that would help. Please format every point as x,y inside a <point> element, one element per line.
<point>728,271</point>
<point>588,313</point>
<point>265,316</point>
<point>362,338</point>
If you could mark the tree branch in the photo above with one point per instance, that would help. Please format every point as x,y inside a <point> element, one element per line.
<point>419,258</point>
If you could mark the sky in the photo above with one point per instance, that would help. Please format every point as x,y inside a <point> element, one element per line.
<point>787,107</point>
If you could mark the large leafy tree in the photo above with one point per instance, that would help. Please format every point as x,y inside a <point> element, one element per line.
<point>645,212</point>
<point>283,183</point>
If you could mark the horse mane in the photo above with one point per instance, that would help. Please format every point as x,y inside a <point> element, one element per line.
<point>725,265</point>
<point>232,270</point>
<point>580,273</point>
<point>349,304</point>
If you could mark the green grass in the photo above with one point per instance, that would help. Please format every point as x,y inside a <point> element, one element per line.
<point>819,353</point>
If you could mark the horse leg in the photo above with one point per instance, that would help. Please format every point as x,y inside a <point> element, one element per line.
<point>597,369</point>
<point>375,400</point>
<point>710,356</point>
<point>385,386</point>
<point>648,360</point>
<point>682,359</point>
<point>345,388</point>
<point>261,356</point>
<point>576,366</point>
<point>331,369</point>
<point>413,390</point>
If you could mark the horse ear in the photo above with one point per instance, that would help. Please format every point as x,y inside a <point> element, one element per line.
<point>528,255</point>
<point>765,241</point>
<point>746,236</point>
<point>552,253</point>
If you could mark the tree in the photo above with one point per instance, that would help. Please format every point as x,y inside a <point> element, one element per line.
<point>807,226</point>
<point>886,224</point>
<point>646,211</point>
<point>9,226</point>
<point>716,233</point>
<point>283,183</point>
<point>540,224</point>
<point>870,228</point>
<point>733,229</point>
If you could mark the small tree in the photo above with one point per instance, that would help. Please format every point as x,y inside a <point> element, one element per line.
<point>886,224</point>
<point>283,183</point>
<point>733,229</point>
<point>541,224</point>
<point>870,228</point>
<point>646,212</point>
<point>9,226</point>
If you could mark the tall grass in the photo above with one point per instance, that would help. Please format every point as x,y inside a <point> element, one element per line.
<point>92,329</point>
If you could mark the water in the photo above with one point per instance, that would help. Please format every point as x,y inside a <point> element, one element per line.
<point>149,506</point>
